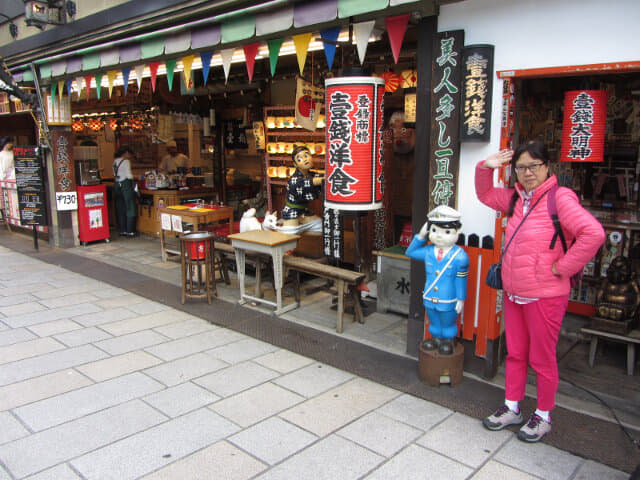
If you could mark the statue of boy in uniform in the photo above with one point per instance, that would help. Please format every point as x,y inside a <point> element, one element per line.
<point>447,269</point>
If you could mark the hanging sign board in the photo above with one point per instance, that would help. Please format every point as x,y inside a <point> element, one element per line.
<point>583,126</point>
<point>332,233</point>
<point>477,87</point>
<point>30,185</point>
<point>309,102</point>
<point>354,175</point>
<point>445,121</point>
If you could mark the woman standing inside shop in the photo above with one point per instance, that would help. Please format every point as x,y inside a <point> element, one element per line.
<point>123,191</point>
<point>535,277</point>
<point>7,168</point>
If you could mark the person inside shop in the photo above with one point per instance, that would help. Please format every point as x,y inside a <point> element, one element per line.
<point>536,276</point>
<point>447,269</point>
<point>124,193</point>
<point>174,160</point>
<point>7,169</point>
<point>302,187</point>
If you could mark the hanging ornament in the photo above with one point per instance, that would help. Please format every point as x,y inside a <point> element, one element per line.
<point>139,69</point>
<point>171,66</point>
<point>95,124</point>
<point>153,68</point>
<point>391,81</point>
<point>113,123</point>
<point>187,62</point>
<point>274,52</point>
<point>77,126</point>
<point>250,52</point>
<point>226,55</point>
<point>329,37</point>
<point>396,27</point>
<point>409,78</point>
<point>205,58</point>
<point>362,32</point>
<point>301,43</point>
<point>125,78</point>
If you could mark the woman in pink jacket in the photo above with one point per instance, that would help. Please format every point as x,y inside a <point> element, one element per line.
<point>535,277</point>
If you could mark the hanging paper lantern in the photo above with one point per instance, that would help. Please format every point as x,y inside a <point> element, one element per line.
<point>77,126</point>
<point>113,123</point>
<point>136,124</point>
<point>354,111</point>
<point>409,78</point>
<point>583,127</point>
<point>391,81</point>
<point>95,124</point>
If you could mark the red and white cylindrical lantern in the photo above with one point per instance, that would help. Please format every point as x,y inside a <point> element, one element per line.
<point>354,110</point>
<point>583,127</point>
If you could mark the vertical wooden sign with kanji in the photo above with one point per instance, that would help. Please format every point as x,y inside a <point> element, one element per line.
<point>445,108</point>
<point>477,88</point>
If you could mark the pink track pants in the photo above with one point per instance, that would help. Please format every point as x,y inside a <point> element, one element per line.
<point>532,333</point>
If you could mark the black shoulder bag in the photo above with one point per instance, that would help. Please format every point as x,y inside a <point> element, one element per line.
<point>494,275</point>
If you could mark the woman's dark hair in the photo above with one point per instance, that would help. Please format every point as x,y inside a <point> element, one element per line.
<point>122,150</point>
<point>297,150</point>
<point>536,150</point>
<point>4,141</point>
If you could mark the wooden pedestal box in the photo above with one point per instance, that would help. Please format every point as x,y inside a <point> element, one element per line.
<point>392,280</point>
<point>434,368</point>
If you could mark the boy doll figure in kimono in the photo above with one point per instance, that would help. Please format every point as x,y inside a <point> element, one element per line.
<point>447,269</point>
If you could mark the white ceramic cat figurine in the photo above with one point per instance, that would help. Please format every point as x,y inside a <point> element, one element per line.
<point>249,221</point>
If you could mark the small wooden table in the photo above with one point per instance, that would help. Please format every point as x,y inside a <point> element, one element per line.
<point>196,216</point>
<point>631,339</point>
<point>273,244</point>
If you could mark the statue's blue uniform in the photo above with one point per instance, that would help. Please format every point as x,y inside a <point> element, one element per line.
<point>440,301</point>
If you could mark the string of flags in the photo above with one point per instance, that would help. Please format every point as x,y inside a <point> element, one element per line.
<point>396,28</point>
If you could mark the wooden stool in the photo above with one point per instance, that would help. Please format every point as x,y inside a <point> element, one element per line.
<point>197,254</point>
<point>435,368</point>
<point>631,340</point>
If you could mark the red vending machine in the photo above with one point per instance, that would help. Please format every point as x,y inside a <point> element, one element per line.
<point>93,216</point>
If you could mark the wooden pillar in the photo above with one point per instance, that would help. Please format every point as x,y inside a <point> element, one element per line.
<point>427,30</point>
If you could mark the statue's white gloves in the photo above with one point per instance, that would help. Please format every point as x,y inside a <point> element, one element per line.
<point>424,231</point>
<point>459,305</point>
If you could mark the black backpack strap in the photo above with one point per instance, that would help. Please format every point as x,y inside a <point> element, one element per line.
<point>553,213</point>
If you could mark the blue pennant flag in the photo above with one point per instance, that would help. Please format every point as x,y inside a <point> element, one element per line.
<point>330,34</point>
<point>206,62</point>
<point>125,77</point>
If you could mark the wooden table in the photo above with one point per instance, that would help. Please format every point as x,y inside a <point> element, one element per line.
<point>631,339</point>
<point>273,244</point>
<point>196,216</point>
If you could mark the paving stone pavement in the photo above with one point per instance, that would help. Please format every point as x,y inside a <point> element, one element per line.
<point>97,383</point>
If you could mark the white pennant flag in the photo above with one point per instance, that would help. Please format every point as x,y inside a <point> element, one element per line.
<point>79,81</point>
<point>362,32</point>
<point>139,69</point>
<point>226,55</point>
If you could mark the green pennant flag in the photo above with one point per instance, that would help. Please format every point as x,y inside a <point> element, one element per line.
<point>170,65</point>
<point>98,85</point>
<point>54,89</point>
<point>274,51</point>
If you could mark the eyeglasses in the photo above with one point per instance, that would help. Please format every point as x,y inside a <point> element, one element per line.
<point>532,168</point>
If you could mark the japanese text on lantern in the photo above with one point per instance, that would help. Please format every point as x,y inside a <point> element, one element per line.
<point>446,94</point>
<point>340,144</point>
<point>582,119</point>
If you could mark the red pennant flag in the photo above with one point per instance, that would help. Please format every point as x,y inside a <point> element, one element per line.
<point>250,52</point>
<point>87,80</point>
<point>153,66</point>
<point>396,27</point>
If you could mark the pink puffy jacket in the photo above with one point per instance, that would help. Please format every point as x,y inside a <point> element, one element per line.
<point>526,265</point>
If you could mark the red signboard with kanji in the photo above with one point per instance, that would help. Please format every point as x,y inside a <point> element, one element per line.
<point>583,127</point>
<point>354,161</point>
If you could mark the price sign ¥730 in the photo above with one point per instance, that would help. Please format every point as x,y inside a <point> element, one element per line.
<point>66,201</point>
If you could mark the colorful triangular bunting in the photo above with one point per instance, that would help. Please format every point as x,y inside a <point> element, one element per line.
<point>54,89</point>
<point>125,78</point>
<point>205,57</point>
<point>396,27</point>
<point>362,31</point>
<point>301,43</point>
<point>226,55</point>
<point>98,85</point>
<point>187,62</point>
<point>250,52</point>
<point>79,81</point>
<point>153,68</point>
<point>139,69</point>
<point>60,88</point>
<point>274,50</point>
<point>87,81</point>
<point>330,34</point>
<point>171,66</point>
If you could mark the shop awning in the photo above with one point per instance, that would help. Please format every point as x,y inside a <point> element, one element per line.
<point>186,39</point>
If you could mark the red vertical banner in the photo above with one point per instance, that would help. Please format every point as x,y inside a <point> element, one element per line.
<point>354,160</point>
<point>583,126</point>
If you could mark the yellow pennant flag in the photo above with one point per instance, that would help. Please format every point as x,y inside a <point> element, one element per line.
<point>111,77</point>
<point>301,43</point>
<point>60,88</point>
<point>186,64</point>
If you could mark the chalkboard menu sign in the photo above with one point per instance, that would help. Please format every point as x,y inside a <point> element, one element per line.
<point>30,185</point>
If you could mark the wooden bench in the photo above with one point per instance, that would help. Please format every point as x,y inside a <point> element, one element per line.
<point>345,280</point>
<point>631,340</point>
